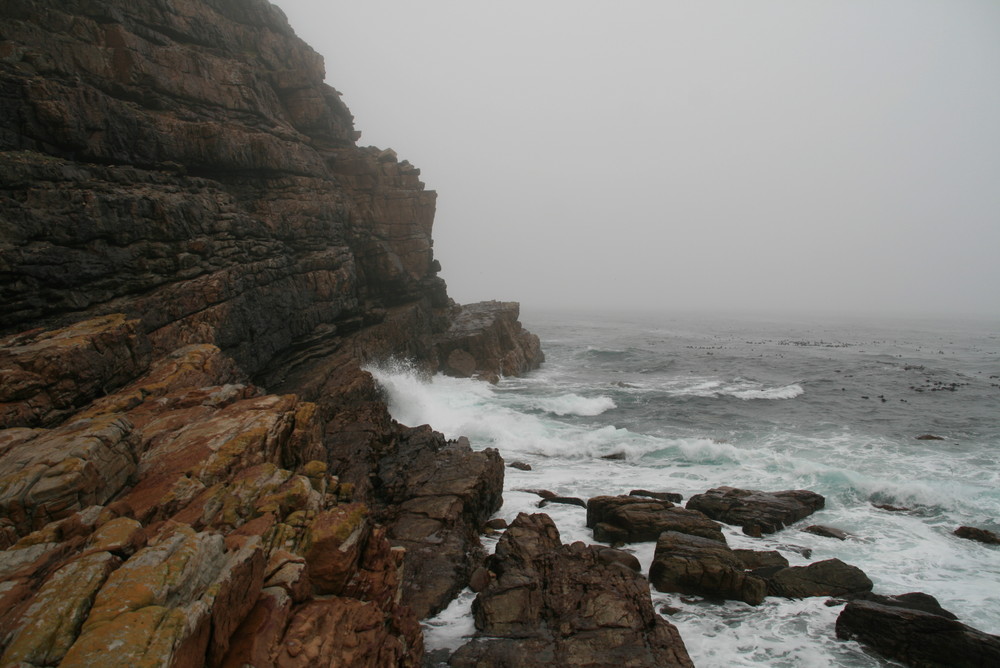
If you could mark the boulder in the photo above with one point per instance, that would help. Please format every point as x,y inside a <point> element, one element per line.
<point>631,519</point>
<point>755,511</point>
<point>689,564</point>
<point>916,637</point>
<point>565,605</point>
<point>660,496</point>
<point>826,532</point>
<point>823,578</point>
<point>978,535</point>
<point>761,562</point>
<point>913,600</point>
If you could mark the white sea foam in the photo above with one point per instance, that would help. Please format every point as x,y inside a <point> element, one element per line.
<point>738,388</point>
<point>574,404</point>
<point>552,420</point>
<point>785,392</point>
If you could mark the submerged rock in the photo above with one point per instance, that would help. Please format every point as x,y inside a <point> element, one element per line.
<point>978,535</point>
<point>826,532</point>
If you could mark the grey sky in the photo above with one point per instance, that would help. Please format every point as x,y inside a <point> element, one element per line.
<point>839,155</point>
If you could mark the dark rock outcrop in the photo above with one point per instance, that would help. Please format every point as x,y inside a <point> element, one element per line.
<point>565,605</point>
<point>917,638</point>
<point>915,600</point>
<point>761,563</point>
<point>631,519</point>
<point>831,577</point>
<point>978,535</point>
<point>661,496</point>
<point>486,340</point>
<point>689,564</point>
<point>755,511</point>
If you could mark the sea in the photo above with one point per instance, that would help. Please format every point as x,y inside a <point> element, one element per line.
<point>687,402</point>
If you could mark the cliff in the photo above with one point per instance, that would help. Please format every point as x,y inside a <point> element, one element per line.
<point>195,260</point>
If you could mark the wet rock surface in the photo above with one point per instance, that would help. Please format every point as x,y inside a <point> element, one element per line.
<point>689,564</point>
<point>565,605</point>
<point>630,519</point>
<point>917,637</point>
<point>831,577</point>
<point>755,511</point>
<point>980,535</point>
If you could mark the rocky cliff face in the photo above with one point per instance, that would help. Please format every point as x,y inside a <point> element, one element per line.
<point>195,260</point>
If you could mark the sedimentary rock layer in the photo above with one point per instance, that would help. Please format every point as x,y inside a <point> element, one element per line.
<point>196,260</point>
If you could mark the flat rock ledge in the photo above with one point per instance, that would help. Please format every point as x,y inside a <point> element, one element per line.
<point>550,604</point>
<point>755,511</point>
<point>634,519</point>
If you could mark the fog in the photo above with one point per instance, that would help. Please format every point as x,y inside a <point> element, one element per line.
<point>775,155</point>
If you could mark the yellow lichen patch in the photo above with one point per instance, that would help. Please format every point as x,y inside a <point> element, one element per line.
<point>124,641</point>
<point>155,574</point>
<point>119,534</point>
<point>247,447</point>
<point>296,492</point>
<point>50,625</point>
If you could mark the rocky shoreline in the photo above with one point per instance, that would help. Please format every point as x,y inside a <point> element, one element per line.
<point>197,261</point>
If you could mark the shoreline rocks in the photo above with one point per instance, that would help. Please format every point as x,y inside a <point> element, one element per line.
<point>917,637</point>
<point>559,605</point>
<point>755,511</point>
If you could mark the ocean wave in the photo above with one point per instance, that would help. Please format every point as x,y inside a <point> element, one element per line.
<point>786,392</point>
<point>574,404</point>
<point>713,388</point>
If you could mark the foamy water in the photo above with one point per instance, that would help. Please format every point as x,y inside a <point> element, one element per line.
<point>759,415</point>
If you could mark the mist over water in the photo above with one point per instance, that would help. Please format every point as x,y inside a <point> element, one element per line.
<point>694,402</point>
<point>826,155</point>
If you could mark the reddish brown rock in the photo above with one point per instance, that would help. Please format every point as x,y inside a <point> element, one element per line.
<point>46,375</point>
<point>258,637</point>
<point>757,512</point>
<point>334,544</point>
<point>353,631</point>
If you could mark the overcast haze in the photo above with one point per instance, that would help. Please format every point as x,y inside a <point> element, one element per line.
<point>831,155</point>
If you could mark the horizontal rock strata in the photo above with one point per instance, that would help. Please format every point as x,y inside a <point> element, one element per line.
<point>196,262</point>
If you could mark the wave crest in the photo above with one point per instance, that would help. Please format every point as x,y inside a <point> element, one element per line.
<point>574,404</point>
